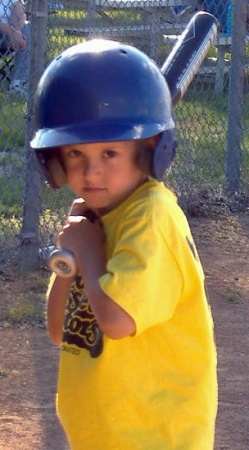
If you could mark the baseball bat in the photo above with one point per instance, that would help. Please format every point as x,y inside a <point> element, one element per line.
<point>187,55</point>
<point>179,69</point>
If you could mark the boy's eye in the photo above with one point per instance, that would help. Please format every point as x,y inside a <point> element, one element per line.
<point>110,153</point>
<point>74,153</point>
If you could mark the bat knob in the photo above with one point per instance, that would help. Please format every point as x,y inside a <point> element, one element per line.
<point>62,262</point>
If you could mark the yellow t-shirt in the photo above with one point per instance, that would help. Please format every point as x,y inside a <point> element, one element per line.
<point>156,390</point>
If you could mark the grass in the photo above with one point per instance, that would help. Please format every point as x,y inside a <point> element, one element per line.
<point>233,295</point>
<point>12,153</point>
<point>12,121</point>
<point>201,121</point>
<point>26,302</point>
<point>201,136</point>
<point>11,201</point>
<point>24,313</point>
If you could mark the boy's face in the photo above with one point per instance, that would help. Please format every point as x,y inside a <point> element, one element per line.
<point>104,173</point>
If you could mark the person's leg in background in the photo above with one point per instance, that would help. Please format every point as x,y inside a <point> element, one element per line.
<point>7,59</point>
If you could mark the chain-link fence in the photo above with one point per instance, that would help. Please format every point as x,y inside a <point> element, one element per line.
<point>212,165</point>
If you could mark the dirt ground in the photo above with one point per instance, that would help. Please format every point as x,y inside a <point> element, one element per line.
<point>29,361</point>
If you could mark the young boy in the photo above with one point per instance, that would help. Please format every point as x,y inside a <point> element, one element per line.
<point>138,359</point>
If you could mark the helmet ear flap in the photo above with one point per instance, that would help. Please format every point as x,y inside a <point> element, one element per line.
<point>52,169</point>
<point>57,173</point>
<point>164,154</point>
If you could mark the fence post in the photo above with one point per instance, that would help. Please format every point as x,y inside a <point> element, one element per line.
<point>31,212</point>
<point>235,102</point>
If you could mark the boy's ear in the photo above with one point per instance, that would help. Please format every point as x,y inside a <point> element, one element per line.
<point>145,159</point>
<point>146,155</point>
<point>57,173</point>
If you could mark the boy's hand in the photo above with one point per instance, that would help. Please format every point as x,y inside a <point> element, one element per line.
<point>80,208</point>
<point>77,240</point>
<point>85,239</point>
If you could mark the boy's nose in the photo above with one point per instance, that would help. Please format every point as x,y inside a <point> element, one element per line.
<point>91,168</point>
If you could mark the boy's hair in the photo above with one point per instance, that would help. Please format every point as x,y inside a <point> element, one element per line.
<point>102,91</point>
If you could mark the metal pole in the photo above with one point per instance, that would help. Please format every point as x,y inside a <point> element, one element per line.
<point>30,226</point>
<point>235,105</point>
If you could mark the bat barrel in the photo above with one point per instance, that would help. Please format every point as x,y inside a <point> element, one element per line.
<point>187,55</point>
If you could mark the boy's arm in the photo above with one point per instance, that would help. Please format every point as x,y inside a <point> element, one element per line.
<point>57,296</point>
<point>114,321</point>
<point>86,241</point>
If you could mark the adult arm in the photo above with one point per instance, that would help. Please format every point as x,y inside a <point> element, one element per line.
<point>13,29</point>
<point>18,16</point>
<point>16,38</point>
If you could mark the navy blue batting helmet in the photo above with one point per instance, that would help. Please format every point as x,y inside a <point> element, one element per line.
<point>101,91</point>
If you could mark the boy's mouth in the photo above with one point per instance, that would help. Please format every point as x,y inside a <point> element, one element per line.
<point>93,189</point>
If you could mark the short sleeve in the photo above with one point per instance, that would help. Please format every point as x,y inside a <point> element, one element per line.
<point>142,274</point>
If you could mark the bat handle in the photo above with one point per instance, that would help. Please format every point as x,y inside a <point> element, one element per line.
<point>63,263</point>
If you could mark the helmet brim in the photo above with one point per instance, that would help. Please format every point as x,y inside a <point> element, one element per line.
<point>97,131</point>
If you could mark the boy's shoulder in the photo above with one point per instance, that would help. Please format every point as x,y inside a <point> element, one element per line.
<point>158,205</point>
<point>149,210</point>
<point>154,194</point>
<point>152,201</point>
